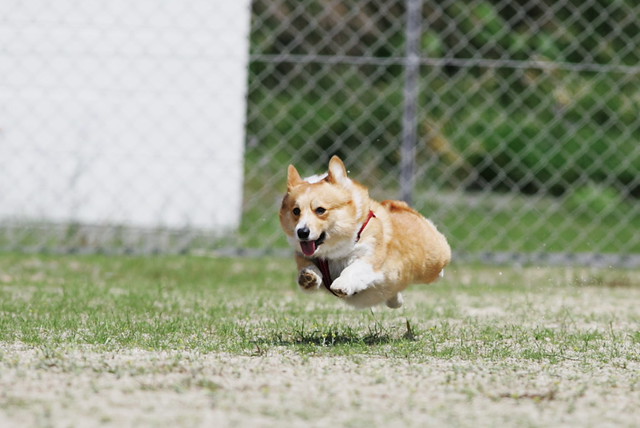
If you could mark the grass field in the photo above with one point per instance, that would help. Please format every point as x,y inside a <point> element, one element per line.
<point>197,341</point>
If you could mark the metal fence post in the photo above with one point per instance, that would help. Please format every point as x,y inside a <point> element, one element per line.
<point>410,114</point>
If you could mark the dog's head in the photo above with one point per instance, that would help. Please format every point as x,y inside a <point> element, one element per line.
<point>321,215</point>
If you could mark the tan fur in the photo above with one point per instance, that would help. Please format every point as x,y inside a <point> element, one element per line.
<point>397,247</point>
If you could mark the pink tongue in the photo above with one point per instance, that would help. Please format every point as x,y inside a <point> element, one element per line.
<point>308,247</point>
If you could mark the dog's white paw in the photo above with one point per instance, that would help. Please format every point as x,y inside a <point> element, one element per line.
<point>309,279</point>
<point>342,288</point>
<point>347,285</point>
<point>355,278</point>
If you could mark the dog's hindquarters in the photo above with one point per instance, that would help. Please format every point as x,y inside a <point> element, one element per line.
<point>417,245</point>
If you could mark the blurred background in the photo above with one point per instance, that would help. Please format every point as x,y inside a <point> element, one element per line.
<point>147,127</point>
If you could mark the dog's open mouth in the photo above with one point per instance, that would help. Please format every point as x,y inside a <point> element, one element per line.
<point>309,247</point>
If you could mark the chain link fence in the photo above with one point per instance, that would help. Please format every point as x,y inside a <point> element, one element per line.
<point>513,125</point>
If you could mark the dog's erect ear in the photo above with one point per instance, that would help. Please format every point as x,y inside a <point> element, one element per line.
<point>337,171</point>
<point>293,177</point>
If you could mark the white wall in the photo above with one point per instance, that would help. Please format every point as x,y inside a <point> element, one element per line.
<point>123,111</point>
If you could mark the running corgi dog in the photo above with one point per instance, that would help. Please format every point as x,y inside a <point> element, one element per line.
<point>363,251</point>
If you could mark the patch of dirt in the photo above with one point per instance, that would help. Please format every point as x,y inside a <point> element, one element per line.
<point>85,387</point>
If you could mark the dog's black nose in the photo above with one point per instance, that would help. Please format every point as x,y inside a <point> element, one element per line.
<point>303,232</point>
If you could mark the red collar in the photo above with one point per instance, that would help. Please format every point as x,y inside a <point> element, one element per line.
<point>366,222</point>
<point>323,264</point>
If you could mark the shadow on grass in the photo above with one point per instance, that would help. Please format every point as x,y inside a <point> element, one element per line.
<point>331,339</point>
<point>336,336</point>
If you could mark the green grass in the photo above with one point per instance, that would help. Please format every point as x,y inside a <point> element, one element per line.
<point>252,307</point>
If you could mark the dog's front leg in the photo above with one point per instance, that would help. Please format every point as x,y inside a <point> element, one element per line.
<point>309,276</point>
<point>356,277</point>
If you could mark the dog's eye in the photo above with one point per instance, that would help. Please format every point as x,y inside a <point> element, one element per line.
<point>320,211</point>
<point>296,211</point>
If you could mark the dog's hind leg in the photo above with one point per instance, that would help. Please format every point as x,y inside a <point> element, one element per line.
<point>395,302</point>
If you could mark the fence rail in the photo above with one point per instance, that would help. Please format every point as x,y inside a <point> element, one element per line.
<point>513,125</point>
<point>451,62</point>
